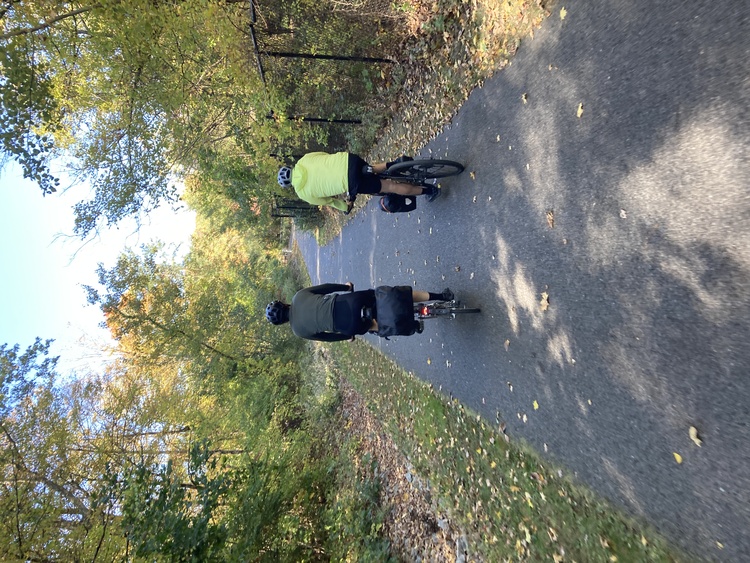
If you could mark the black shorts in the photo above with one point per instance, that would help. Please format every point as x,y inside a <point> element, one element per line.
<point>347,312</point>
<point>359,182</point>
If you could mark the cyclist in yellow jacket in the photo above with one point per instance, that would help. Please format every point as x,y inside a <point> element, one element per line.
<point>320,178</point>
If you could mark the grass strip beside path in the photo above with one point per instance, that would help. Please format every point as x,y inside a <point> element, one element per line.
<point>511,504</point>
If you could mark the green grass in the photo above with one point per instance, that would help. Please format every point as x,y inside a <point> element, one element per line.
<point>512,504</point>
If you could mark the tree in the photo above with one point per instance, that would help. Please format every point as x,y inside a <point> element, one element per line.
<point>145,307</point>
<point>125,91</point>
<point>28,115</point>
<point>49,484</point>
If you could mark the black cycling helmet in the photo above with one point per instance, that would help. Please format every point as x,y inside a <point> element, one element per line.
<point>285,177</point>
<point>277,312</point>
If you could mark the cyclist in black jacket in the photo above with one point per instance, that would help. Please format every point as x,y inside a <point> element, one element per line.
<point>324,312</point>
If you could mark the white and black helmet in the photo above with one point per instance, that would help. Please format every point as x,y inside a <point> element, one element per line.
<point>285,177</point>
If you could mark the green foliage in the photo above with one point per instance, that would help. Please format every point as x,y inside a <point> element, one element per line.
<point>179,89</point>
<point>27,109</point>
<point>355,518</point>
<point>168,519</point>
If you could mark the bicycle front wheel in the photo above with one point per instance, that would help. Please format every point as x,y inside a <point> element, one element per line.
<point>418,170</point>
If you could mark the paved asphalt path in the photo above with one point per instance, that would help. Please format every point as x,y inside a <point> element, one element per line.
<point>647,267</point>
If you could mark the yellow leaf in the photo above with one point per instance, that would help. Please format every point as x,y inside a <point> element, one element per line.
<point>514,489</point>
<point>719,545</point>
<point>694,436</point>
<point>677,457</point>
<point>579,112</point>
<point>644,541</point>
<point>429,361</point>
<point>472,175</point>
<point>536,406</point>
<point>525,98</point>
<point>563,13</point>
<point>493,465</point>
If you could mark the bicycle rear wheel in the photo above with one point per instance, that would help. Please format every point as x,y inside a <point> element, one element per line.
<point>447,309</point>
<point>419,170</point>
<point>462,310</point>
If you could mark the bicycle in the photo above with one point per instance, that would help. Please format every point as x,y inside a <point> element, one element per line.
<point>418,171</point>
<point>439,309</point>
<point>415,172</point>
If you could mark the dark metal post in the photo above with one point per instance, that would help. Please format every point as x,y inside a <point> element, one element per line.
<point>286,55</point>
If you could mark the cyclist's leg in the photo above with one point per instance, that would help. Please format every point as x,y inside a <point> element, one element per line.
<point>391,187</point>
<point>420,296</point>
<point>424,296</point>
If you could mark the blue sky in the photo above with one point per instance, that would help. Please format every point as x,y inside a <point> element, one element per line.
<point>43,267</point>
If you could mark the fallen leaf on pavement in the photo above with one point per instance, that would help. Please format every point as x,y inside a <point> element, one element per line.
<point>579,111</point>
<point>544,303</point>
<point>694,436</point>
<point>551,218</point>
<point>677,457</point>
<point>563,13</point>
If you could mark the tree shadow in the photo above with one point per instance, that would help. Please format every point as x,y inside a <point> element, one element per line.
<point>647,265</point>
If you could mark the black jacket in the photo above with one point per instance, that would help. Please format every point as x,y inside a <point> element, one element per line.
<point>311,314</point>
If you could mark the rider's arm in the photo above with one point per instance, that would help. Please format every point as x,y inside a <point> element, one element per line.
<point>339,204</point>
<point>330,337</point>
<point>336,202</point>
<point>326,288</point>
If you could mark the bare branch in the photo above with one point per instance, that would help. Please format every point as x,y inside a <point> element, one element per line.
<point>48,23</point>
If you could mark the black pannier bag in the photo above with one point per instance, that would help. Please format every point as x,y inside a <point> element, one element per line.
<point>395,311</point>
<point>397,203</point>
